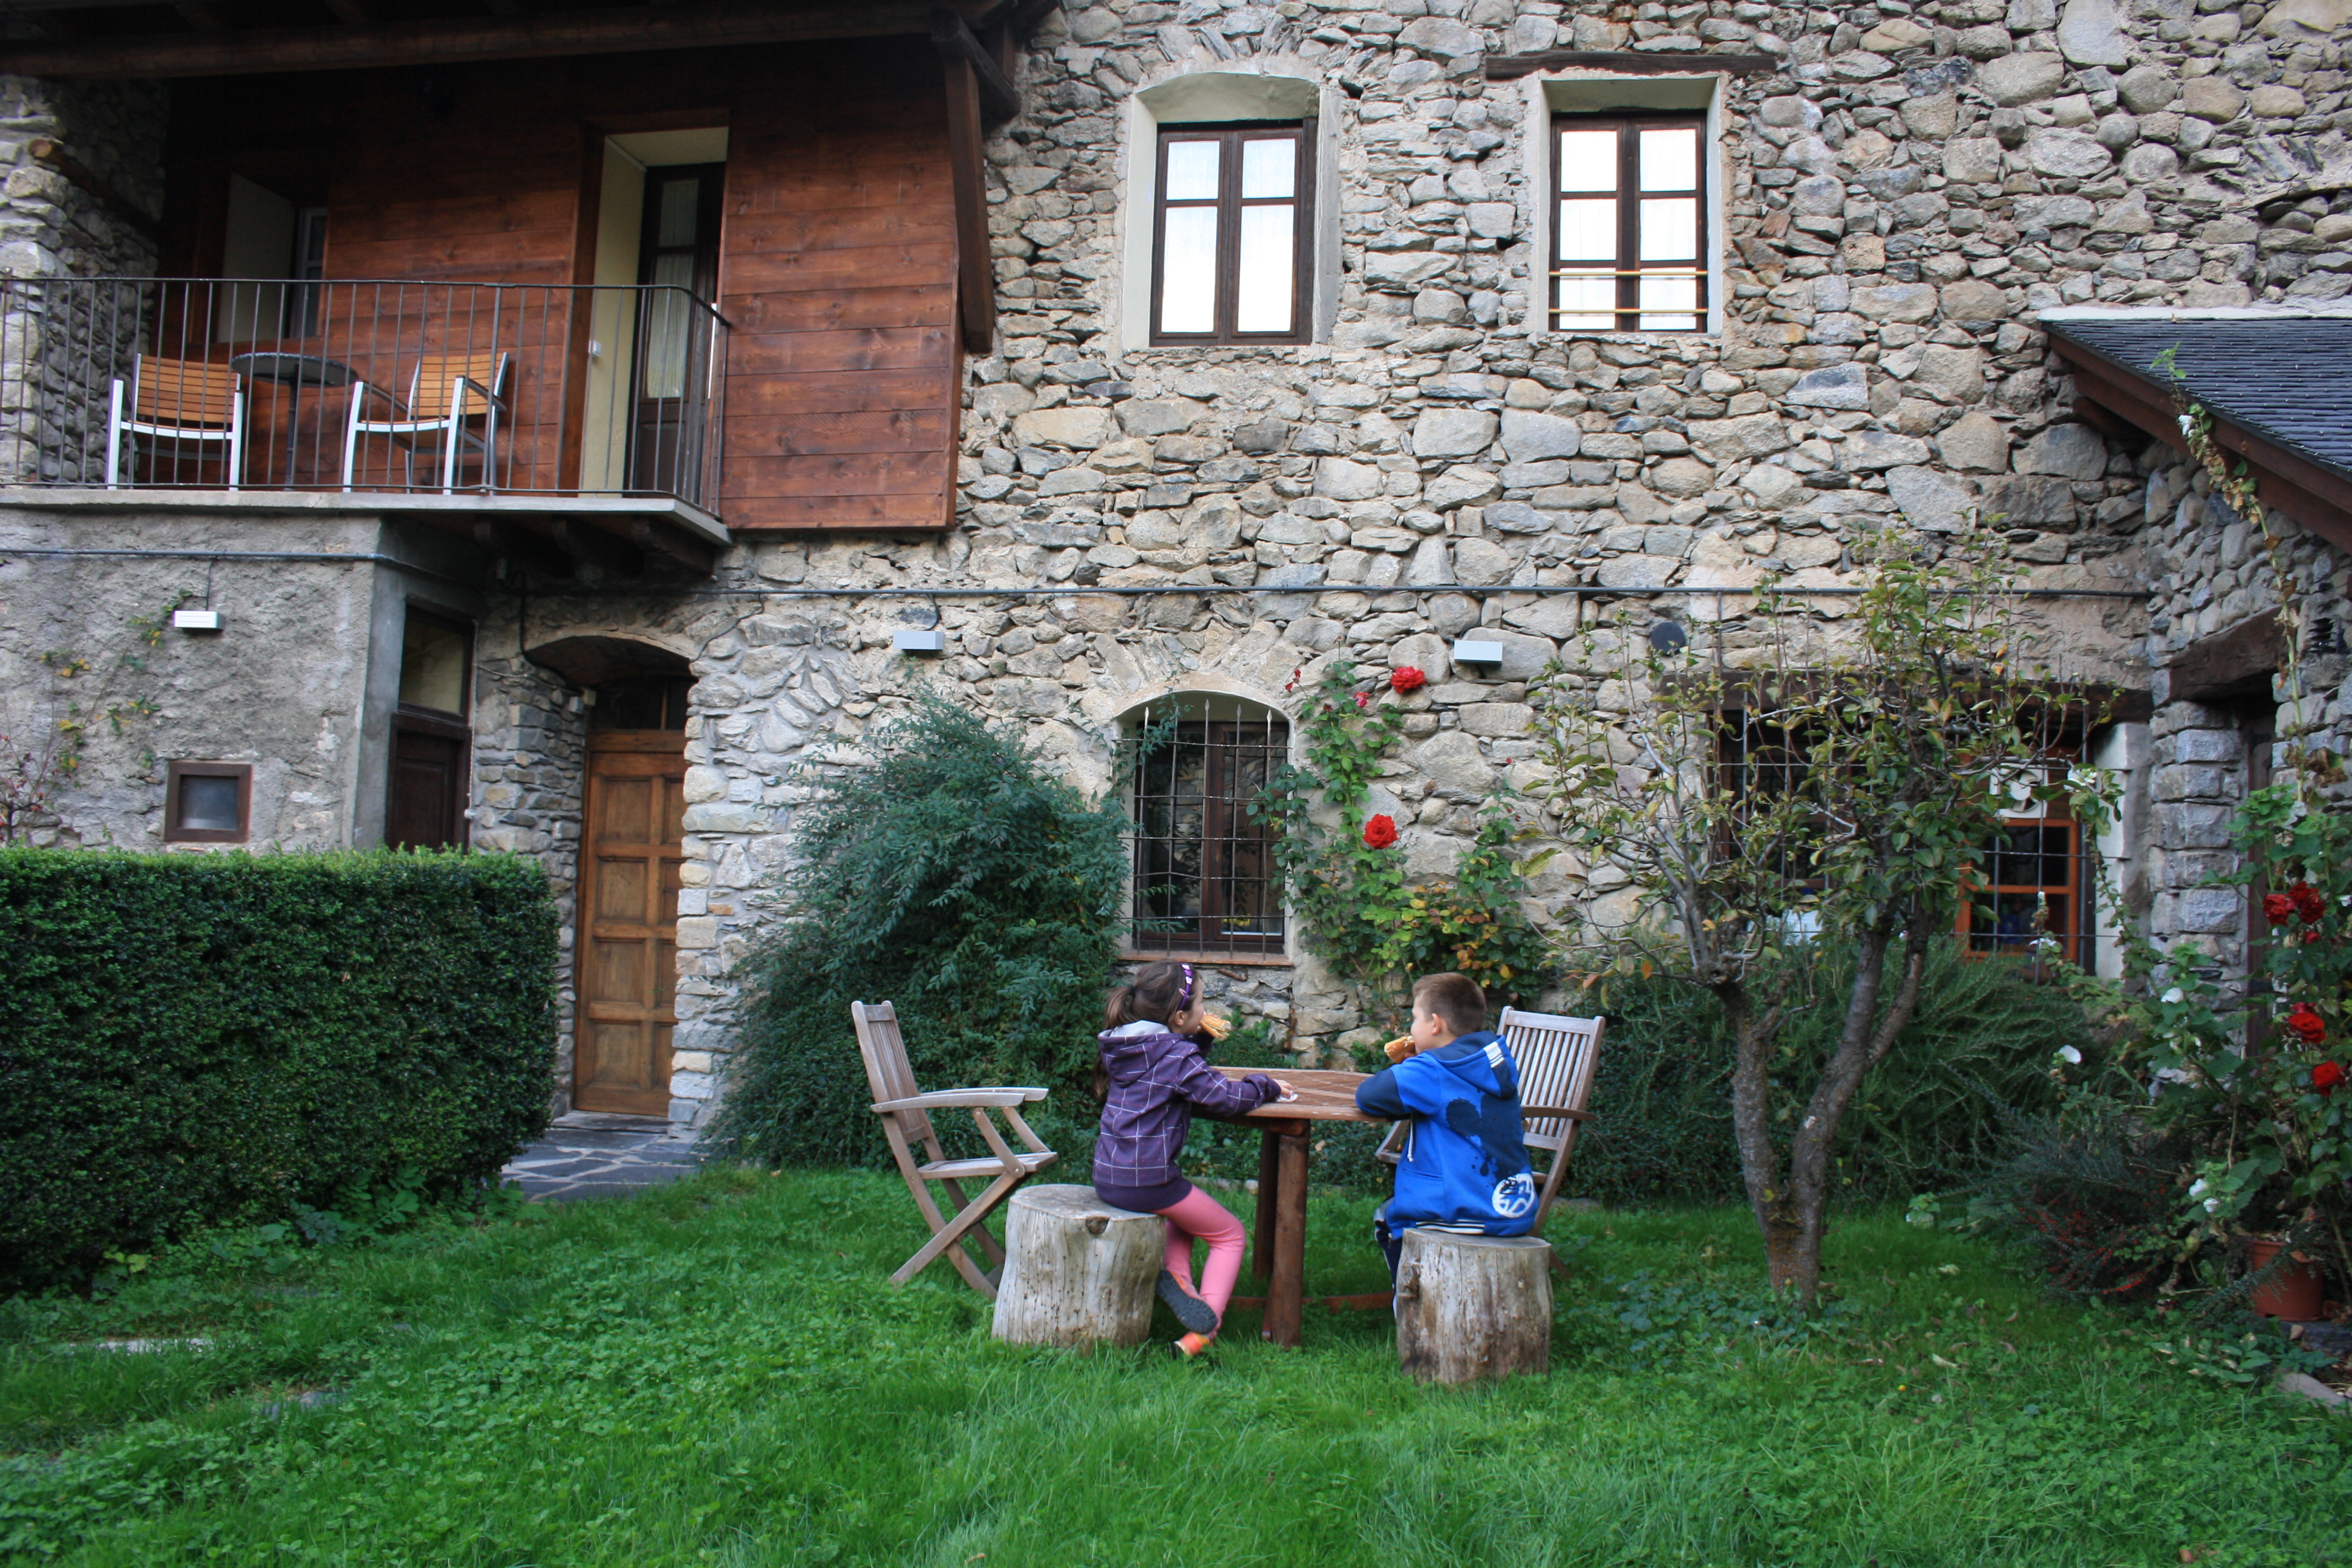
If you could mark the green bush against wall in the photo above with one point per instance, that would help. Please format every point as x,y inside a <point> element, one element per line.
<point>1662,1096</point>
<point>194,1039</point>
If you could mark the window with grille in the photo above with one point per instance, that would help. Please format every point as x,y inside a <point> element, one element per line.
<point>1629,245</point>
<point>1230,234</point>
<point>1205,879</point>
<point>2025,893</point>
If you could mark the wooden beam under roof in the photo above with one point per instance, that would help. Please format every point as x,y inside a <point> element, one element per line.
<point>708,24</point>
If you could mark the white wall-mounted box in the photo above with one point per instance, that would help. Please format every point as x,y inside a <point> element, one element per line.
<point>196,620</point>
<point>1468,652</point>
<point>930,640</point>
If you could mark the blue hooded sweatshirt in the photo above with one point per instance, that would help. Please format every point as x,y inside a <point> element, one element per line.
<point>1466,1153</point>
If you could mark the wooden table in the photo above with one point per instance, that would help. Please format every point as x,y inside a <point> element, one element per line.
<point>1282,1185</point>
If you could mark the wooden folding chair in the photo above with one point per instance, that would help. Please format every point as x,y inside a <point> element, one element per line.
<point>1556,1057</point>
<point>907,1124</point>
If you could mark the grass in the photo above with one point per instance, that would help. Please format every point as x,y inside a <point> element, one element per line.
<point>717,1372</point>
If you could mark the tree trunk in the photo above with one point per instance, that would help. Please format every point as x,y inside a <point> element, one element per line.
<point>1473,1306</point>
<point>1752,1125</point>
<point>1077,1270</point>
<point>1864,1041</point>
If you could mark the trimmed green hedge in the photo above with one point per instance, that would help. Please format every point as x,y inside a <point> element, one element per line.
<point>200,1039</point>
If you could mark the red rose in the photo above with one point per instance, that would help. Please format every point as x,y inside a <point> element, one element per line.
<point>2307,902</point>
<point>1363,701</point>
<point>2305,1024</point>
<point>2276,908</point>
<point>1380,832</point>
<point>2326,1075</point>
<point>1407,678</point>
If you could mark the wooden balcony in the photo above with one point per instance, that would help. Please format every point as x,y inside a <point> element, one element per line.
<point>549,423</point>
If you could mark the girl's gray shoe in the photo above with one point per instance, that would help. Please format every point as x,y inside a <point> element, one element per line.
<point>1191,1311</point>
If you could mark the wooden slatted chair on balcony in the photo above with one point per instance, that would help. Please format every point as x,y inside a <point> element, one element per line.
<point>907,1124</point>
<point>1556,1056</point>
<point>176,400</point>
<point>454,405</point>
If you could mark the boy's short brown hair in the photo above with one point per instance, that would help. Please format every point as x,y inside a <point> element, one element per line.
<point>1455,998</point>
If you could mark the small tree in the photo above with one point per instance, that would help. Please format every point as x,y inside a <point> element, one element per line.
<point>1833,788</point>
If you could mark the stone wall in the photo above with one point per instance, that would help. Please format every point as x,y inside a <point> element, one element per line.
<point>1899,194</point>
<point>297,682</point>
<point>2213,574</point>
<point>51,225</point>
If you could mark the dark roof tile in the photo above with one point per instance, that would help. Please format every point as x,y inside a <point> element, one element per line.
<point>2287,379</point>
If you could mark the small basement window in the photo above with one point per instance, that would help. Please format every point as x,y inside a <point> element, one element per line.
<point>1629,245</point>
<point>208,803</point>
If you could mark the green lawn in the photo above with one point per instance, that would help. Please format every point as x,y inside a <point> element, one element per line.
<point>718,1373</point>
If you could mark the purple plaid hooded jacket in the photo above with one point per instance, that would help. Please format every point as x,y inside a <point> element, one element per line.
<point>1156,1079</point>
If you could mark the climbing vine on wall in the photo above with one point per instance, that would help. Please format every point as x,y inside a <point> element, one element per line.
<point>1345,870</point>
<point>41,751</point>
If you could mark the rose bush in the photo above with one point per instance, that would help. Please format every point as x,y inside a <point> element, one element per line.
<point>2240,1071</point>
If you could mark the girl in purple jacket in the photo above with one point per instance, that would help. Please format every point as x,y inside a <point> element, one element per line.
<point>1154,1074</point>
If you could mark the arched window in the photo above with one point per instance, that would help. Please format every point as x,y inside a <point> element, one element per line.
<point>1205,876</point>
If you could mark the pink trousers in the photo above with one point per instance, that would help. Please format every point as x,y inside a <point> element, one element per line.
<point>1203,1217</point>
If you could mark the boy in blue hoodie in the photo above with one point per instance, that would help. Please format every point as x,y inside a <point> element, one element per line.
<point>1465,1154</point>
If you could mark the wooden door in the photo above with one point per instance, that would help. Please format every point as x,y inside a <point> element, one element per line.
<point>425,806</point>
<point>629,857</point>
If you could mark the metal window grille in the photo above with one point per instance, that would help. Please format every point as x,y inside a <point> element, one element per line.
<point>1206,878</point>
<point>2027,894</point>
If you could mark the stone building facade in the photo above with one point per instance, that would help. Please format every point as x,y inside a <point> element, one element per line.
<point>1894,193</point>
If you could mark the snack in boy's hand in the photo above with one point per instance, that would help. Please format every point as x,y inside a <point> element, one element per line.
<point>1399,1047</point>
<point>1216,1028</point>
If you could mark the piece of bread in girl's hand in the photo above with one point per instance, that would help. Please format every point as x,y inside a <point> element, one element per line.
<point>1216,1028</point>
<point>1400,1047</point>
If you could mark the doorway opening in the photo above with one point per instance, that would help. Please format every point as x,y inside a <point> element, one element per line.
<point>632,857</point>
<point>659,216</point>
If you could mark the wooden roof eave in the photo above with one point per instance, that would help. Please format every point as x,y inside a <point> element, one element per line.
<point>510,35</point>
<point>2119,400</point>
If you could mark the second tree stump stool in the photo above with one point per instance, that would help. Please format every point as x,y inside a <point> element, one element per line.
<point>1473,1306</point>
<point>1077,1270</point>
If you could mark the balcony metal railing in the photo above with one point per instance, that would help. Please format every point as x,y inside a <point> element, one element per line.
<point>360,386</point>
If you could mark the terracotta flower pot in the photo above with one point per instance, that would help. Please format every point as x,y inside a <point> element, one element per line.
<point>2292,1293</point>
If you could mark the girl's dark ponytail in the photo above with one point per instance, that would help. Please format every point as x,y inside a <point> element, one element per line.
<point>1115,1011</point>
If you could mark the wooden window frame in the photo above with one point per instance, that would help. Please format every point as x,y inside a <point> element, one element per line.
<point>175,834</point>
<point>1205,937</point>
<point>1628,196</point>
<point>1229,203</point>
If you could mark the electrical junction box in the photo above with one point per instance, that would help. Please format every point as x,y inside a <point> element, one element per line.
<point>929,639</point>
<point>1469,652</point>
<point>196,620</point>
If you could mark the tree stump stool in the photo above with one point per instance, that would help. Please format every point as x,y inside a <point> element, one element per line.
<point>1472,1307</point>
<point>1077,1270</point>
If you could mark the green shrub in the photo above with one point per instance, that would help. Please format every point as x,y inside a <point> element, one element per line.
<point>210,1039</point>
<point>1662,1096</point>
<point>958,877</point>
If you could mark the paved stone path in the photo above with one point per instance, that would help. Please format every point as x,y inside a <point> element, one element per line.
<point>588,1155</point>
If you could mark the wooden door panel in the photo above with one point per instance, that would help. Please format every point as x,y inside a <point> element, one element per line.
<point>617,972</point>
<point>625,816</point>
<point>630,876</point>
<point>621,889</point>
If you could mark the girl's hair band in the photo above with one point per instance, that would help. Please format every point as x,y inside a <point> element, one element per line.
<point>1184,998</point>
